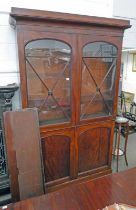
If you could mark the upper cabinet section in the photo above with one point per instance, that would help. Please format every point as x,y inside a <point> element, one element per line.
<point>48,73</point>
<point>99,60</point>
<point>69,65</point>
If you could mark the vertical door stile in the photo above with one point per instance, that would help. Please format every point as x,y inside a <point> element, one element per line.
<point>22,67</point>
<point>78,78</point>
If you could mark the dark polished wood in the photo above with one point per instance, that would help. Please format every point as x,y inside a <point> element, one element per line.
<point>56,159</point>
<point>84,97</point>
<point>90,195</point>
<point>31,14</point>
<point>93,149</point>
<point>23,143</point>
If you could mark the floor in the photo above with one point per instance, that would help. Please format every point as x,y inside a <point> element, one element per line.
<point>131,155</point>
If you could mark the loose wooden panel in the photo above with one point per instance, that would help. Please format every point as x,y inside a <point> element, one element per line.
<point>56,157</point>
<point>93,149</point>
<point>24,153</point>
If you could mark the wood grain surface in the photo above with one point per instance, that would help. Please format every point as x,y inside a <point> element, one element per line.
<point>24,153</point>
<point>90,195</point>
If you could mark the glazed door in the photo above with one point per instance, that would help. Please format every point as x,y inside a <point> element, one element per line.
<point>48,84</point>
<point>98,70</point>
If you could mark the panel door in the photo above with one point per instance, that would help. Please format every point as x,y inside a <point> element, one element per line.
<point>99,74</point>
<point>58,156</point>
<point>48,82</point>
<point>94,146</point>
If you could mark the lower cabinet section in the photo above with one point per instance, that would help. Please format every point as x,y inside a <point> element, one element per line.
<point>77,153</point>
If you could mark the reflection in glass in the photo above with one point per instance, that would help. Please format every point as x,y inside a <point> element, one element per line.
<point>48,68</point>
<point>98,79</point>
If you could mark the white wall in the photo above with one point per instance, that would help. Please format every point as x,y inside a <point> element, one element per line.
<point>8,57</point>
<point>129,40</point>
<point>129,76</point>
<point>86,7</point>
<point>126,9</point>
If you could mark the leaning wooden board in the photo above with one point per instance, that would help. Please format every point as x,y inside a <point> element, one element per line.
<point>24,153</point>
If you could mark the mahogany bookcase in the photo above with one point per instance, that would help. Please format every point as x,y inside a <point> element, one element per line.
<point>69,69</point>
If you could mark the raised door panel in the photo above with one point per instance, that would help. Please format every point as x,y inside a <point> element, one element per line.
<point>94,147</point>
<point>58,155</point>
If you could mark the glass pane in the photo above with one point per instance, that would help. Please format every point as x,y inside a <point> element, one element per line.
<point>48,68</point>
<point>98,79</point>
